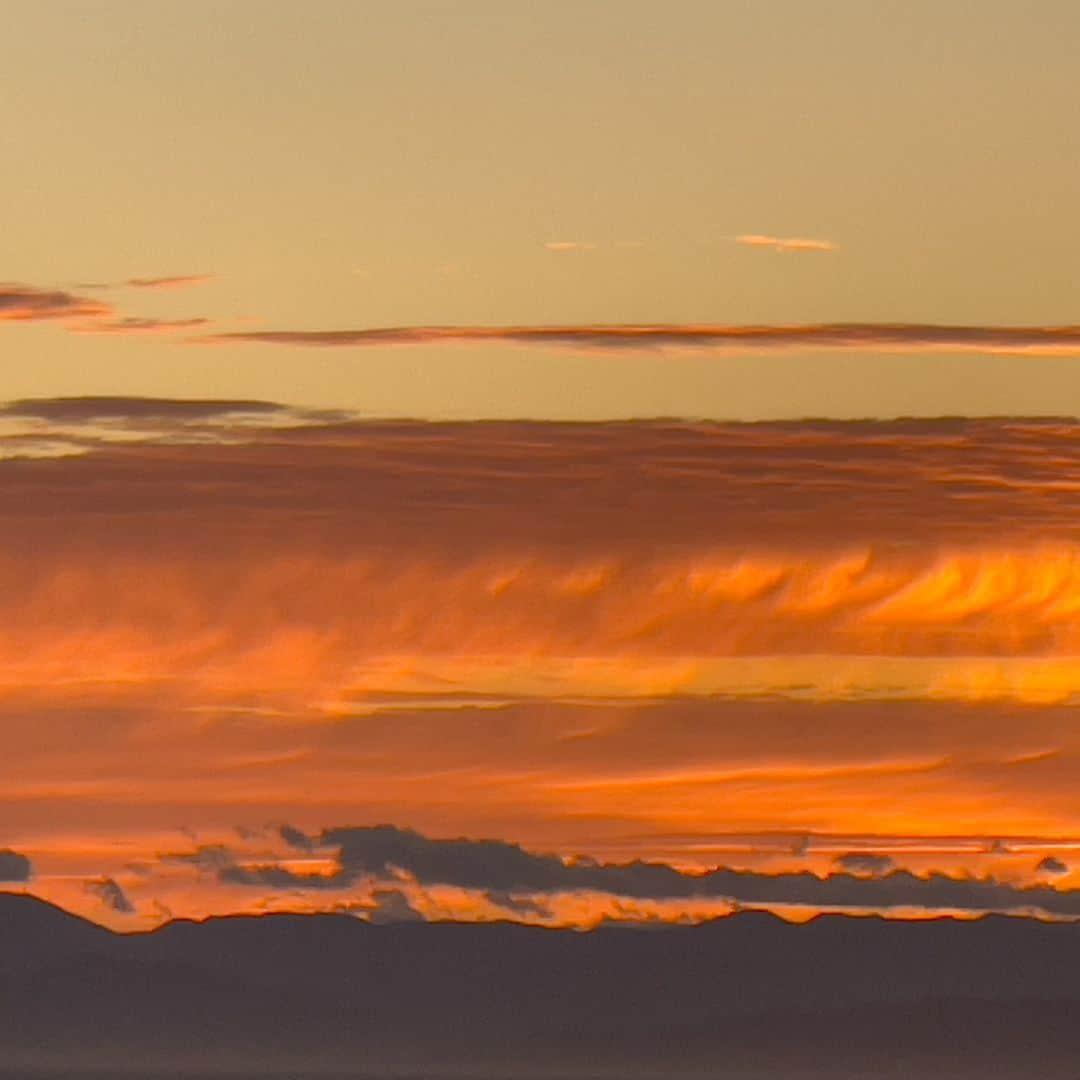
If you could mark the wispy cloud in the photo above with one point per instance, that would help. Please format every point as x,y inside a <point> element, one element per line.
<point>864,337</point>
<point>172,281</point>
<point>262,615</point>
<point>111,895</point>
<point>86,315</point>
<point>131,325</point>
<point>176,281</point>
<point>26,303</point>
<point>784,243</point>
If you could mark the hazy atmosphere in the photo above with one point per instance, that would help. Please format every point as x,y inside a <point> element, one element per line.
<point>584,465</point>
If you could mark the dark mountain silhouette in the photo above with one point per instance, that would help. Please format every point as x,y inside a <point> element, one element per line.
<point>844,996</point>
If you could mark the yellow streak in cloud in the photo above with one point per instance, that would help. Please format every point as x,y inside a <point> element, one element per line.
<point>784,243</point>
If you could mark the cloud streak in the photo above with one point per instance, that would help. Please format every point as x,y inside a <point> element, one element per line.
<point>927,559</point>
<point>26,303</point>
<point>174,281</point>
<point>861,337</point>
<point>562,246</point>
<point>784,243</point>
<point>131,325</point>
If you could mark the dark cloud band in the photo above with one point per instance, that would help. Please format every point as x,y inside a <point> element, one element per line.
<point>384,852</point>
<point>1064,340</point>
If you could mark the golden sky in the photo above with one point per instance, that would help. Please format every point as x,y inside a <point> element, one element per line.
<point>355,166</point>
<point>631,433</point>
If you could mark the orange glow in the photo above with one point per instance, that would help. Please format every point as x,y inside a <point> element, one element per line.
<point>970,624</point>
<point>331,624</point>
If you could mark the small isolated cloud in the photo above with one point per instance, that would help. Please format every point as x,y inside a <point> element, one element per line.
<point>865,862</point>
<point>132,325</point>
<point>1050,865</point>
<point>111,895</point>
<point>569,245</point>
<point>26,303</point>
<point>14,867</point>
<point>784,243</point>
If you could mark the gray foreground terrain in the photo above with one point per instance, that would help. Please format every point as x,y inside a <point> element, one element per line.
<point>332,997</point>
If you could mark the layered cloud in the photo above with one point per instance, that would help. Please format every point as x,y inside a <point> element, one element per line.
<point>926,559</point>
<point>846,651</point>
<point>24,303</point>
<point>81,314</point>
<point>528,884</point>
<point>861,337</point>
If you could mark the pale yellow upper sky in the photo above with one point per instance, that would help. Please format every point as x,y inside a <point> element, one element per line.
<point>347,165</point>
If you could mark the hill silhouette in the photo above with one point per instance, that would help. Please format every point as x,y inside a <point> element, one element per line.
<point>851,996</point>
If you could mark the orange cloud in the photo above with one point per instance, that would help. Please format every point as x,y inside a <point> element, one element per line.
<point>27,303</point>
<point>784,243</point>
<point>747,638</point>
<point>827,580</point>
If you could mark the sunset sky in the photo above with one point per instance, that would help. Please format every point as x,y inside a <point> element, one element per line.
<point>548,462</point>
